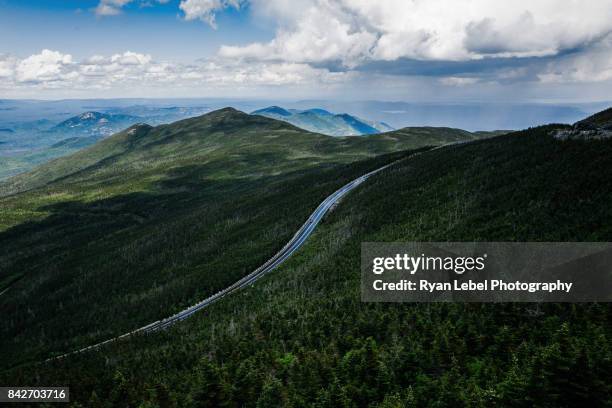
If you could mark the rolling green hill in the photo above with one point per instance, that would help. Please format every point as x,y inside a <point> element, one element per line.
<point>154,218</point>
<point>302,337</point>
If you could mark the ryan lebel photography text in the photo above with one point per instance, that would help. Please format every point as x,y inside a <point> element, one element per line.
<point>458,265</point>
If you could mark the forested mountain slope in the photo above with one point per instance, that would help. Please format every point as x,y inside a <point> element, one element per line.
<point>301,336</point>
<point>152,220</point>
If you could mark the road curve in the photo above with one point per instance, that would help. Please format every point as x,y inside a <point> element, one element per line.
<point>293,245</point>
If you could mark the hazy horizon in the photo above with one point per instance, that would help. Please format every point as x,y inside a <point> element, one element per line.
<point>470,116</point>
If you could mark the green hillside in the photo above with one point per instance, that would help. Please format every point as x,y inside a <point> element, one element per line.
<point>240,141</point>
<point>151,220</point>
<point>302,337</point>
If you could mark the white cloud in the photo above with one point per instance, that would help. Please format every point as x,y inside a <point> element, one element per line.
<point>113,7</point>
<point>592,65</point>
<point>363,40</point>
<point>354,32</point>
<point>110,7</point>
<point>323,32</point>
<point>351,31</point>
<point>106,10</point>
<point>205,9</point>
<point>48,66</point>
<point>131,58</point>
<point>55,70</point>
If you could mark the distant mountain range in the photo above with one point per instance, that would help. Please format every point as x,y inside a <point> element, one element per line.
<point>241,125</point>
<point>325,122</point>
<point>101,124</point>
<point>95,124</point>
<point>25,144</point>
<point>40,141</point>
<point>157,115</point>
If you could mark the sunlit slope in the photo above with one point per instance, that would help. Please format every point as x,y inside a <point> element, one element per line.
<point>247,145</point>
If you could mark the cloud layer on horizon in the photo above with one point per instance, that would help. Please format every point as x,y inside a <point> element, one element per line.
<point>49,70</point>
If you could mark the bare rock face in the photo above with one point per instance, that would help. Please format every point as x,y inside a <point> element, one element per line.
<point>596,127</point>
<point>578,134</point>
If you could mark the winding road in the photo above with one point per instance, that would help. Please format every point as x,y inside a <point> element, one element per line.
<point>293,245</point>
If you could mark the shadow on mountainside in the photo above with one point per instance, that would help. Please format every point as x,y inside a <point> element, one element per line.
<point>101,268</point>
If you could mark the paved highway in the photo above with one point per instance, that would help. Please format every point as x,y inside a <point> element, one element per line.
<point>293,245</point>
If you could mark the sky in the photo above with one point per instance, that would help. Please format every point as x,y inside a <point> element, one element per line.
<point>396,50</point>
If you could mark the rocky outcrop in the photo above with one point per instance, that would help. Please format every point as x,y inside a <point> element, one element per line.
<point>578,134</point>
<point>596,127</point>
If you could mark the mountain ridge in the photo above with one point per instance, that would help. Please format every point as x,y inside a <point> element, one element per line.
<point>96,124</point>
<point>205,131</point>
<point>322,121</point>
<point>601,118</point>
<point>594,127</point>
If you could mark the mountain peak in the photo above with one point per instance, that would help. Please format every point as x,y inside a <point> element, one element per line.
<point>227,116</point>
<point>319,111</point>
<point>274,110</point>
<point>227,113</point>
<point>91,115</point>
<point>227,109</point>
<point>96,124</point>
